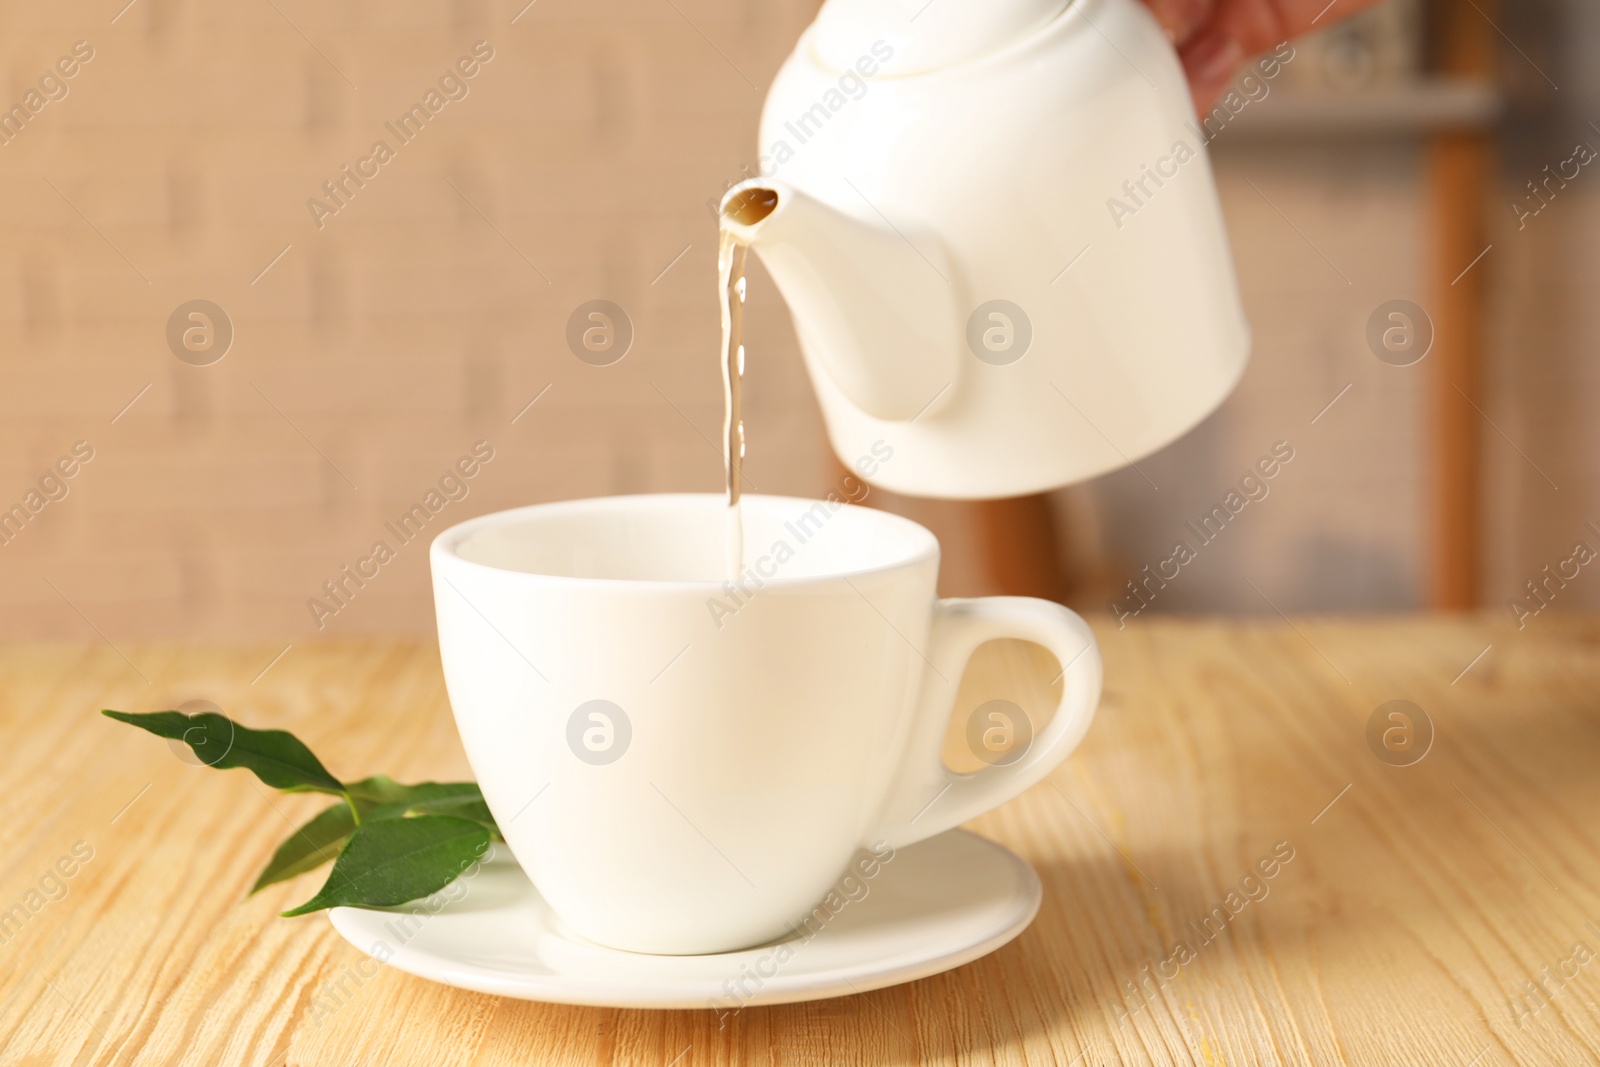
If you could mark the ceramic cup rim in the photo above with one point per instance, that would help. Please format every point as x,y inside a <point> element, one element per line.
<point>445,551</point>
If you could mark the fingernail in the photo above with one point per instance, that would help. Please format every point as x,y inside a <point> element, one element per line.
<point>1213,60</point>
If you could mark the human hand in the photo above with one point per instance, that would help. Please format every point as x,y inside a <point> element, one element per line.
<point>1214,37</point>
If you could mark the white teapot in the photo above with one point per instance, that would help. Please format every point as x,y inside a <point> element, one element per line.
<point>995,226</point>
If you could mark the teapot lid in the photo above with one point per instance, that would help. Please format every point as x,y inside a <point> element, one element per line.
<point>925,34</point>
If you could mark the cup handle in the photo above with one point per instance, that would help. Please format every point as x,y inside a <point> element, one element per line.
<point>928,798</point>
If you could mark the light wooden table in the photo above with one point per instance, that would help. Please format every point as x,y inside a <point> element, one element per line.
<point>1419,903</point>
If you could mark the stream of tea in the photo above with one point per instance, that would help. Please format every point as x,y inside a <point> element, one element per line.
<point>730,269</point>
<point>745,209</point>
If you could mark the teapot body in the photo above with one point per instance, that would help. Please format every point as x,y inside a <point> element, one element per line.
<point>1055,190</point>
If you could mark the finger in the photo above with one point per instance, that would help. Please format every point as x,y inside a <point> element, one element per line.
<point>1242,28</point>
<point>1257,25</point>
<point>1181,18</point>
<point>1291,18</point>
<point>1211,62</point>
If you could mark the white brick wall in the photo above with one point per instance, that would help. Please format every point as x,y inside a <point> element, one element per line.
<point>407,327</point>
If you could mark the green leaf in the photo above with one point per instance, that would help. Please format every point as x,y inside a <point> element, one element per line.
<point>381,797</point>
<point>395,842</point>
<point>277,757</point>
<point>379,789</point>
<point>472,808</point>
<point>392,861</point>
<point>314,844</point>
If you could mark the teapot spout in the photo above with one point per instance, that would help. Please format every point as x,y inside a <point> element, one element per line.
<point>874,303</point>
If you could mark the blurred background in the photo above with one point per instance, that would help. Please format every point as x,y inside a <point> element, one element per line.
<point>352,357</point>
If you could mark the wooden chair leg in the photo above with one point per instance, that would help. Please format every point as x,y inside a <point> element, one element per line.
<point>1458,168</point>
<point>1460,171</point>
<point>1019,538</point>
<point>1021,546</point>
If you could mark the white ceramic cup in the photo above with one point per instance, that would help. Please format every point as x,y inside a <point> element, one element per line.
<point>684,764</point>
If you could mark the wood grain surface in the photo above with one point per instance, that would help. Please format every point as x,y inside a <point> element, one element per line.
<point>1435,913</point>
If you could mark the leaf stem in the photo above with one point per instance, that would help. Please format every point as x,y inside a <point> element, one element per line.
<point>355,812</point>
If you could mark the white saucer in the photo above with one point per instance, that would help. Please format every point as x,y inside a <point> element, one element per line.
<point>934,906</point>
